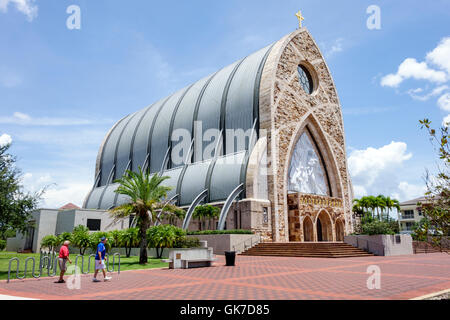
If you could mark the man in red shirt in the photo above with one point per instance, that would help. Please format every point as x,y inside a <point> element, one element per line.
<point>63,258</point>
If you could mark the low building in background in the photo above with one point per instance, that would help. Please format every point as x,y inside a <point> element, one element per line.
<point>410,213</point>
<point>56,221</point>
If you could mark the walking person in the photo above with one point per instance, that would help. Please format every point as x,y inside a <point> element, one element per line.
<point>62,260</point>
<point>100,257</point>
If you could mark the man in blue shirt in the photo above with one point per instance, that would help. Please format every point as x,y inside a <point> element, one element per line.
<point>100,257</point>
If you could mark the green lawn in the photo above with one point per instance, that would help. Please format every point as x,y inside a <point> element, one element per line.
<point>131,263</point>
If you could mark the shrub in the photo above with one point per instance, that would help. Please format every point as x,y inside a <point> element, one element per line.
<point>95,240</point>
<point>186,242</point>
<point>81,238</point>
<point>63,237</point>
<point>2,245</point>
<point>129,238</point>
<point>164,236</point>
<point>377,227</point>
<point>50,242</point>
<point>207,232</point>
<point>206,212</point>
<point>114,237</point>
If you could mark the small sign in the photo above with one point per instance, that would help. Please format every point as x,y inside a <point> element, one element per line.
<point>178,256</point>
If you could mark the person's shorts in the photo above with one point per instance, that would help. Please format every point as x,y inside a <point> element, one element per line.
<point>62,264</point>
<point>100,264</point>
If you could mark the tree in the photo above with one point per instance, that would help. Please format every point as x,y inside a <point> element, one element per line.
<point>50,242</point>
<point>65,236</point>
<point>95,239</point>
<point>177,214</point>
<point>145,201</point>
<point>129,239</point>
<point>164,236</point>
<point>206,212</point>
<point>16,205</point>
<point>436,208</point>
<point>114,238</point>
<point>81,238</point>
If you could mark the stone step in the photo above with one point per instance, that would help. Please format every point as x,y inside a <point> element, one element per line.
<point>299,249</point>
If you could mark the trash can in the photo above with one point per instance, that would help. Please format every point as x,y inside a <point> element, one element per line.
<point>230,257</point>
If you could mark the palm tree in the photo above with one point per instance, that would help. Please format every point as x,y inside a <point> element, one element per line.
<point>145,201</point>
<point>372,204</point>
<point>381,205</point>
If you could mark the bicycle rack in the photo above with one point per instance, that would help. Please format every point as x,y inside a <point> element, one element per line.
<point>107,262</point>
<point>50,262</point>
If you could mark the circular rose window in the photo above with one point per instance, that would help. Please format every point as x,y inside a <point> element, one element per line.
<point>305,79</point>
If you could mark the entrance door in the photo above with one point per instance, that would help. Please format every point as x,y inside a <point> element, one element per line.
<point>339,231</point>
<point>319,230</point>
<point>29,239</point>
<point>324,229</point>
<point>308,234</point>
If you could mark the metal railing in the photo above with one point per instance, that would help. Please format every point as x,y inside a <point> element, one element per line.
<point>49,261</point>
<point>244,243</point>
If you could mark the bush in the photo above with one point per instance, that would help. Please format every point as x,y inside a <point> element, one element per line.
<point>207,232</point>
<point>377,227</point>
<point>115,238</point>
<point>187,243</point>
<point>95,240</point>
<point>2,245</point>
<point>81,238</point>
<point>50,242</point>
<point>129,239</point>
<point>169,236</point>
<point>63,237</point>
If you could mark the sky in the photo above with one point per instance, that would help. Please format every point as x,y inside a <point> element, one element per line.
<point>62,88</point>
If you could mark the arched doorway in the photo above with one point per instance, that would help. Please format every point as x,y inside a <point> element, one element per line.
<point>308,230</point>
<point>324,229</point>
<point>339,230</point>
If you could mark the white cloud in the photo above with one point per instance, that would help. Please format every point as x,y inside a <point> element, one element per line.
<point>367,165</point>
<point>410,68</point>
<point>56,194</point>
<point>414,93</point>
<point>19,118</point>
<point>376,171</point>
<point>336,47</point>
<point>407,191</point>
<point>5,139</point>
<point>446,121</point>
<point>440,56</point>
<point>444,102</point>
<point>27,7</point>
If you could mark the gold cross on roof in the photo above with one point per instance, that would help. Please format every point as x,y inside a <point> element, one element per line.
<point>300,18</point>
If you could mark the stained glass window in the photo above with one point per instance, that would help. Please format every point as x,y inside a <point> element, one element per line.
<point>305,79</point>
<point>306,171</point>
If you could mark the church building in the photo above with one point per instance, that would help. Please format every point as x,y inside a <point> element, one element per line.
<point>262,138</point>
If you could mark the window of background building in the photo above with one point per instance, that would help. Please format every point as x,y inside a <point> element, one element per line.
<point>94,224</point>
<point>408,214</point>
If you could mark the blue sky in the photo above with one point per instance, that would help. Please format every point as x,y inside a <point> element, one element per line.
<point>61,90</point>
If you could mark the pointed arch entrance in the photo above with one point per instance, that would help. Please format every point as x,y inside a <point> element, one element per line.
<point>324,229</point>
<point>308,230</point>
<point>339,230</point>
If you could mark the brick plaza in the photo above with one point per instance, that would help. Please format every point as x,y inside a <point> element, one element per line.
<point>259,278</point>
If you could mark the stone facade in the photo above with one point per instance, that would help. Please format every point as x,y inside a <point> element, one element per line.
<point>286,110</point>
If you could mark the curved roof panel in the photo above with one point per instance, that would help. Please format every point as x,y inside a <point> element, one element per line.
<point>227,99</point>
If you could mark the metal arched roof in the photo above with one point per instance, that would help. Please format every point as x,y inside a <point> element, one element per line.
<point>227,99</point>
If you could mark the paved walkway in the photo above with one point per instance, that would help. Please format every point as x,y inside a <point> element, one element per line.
<point>265,278</point>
